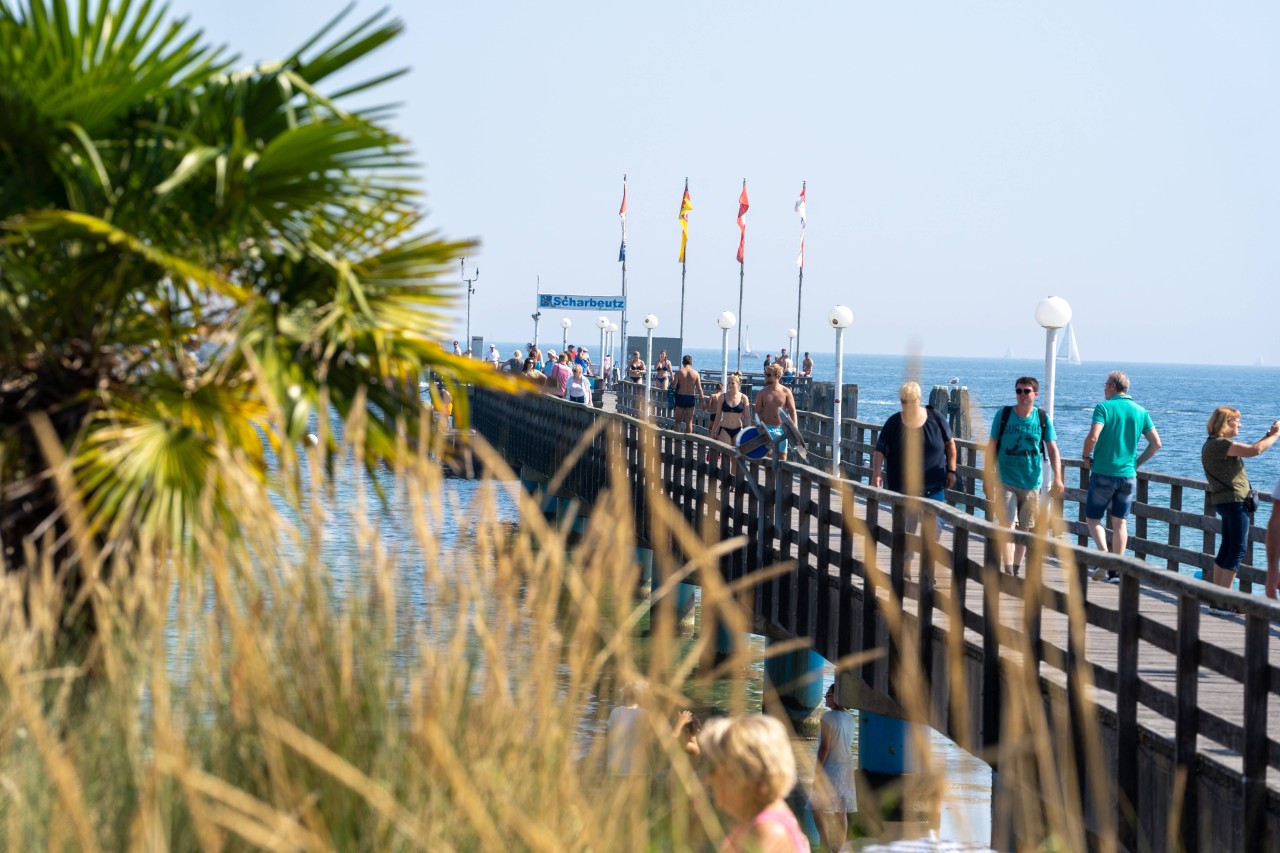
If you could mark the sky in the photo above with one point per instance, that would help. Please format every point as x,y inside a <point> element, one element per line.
<point>963,160</point>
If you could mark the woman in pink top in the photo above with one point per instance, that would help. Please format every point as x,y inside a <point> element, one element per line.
<point>752,769</point>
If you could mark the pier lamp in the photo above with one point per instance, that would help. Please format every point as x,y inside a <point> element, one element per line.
<point>791,345</point>
<point>565,323</point>
<point>1052,314</point>
<point>650,323</point>
<point>840,318</point>
<point>602,323</point>
<point>475,274</point>
<point>613,342</point>
<point>725,321</point>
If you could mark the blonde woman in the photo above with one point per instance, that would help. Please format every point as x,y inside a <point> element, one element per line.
<point>578,389</point>
<point>731,411</point>
<point>751,771</point>
<point>1223,459</point>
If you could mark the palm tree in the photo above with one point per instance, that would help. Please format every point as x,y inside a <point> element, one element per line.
<point>191,258</point>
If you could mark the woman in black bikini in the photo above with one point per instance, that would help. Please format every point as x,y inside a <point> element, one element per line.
<point>662,371</point>
<point>733,412</point>
<point>635,368</point>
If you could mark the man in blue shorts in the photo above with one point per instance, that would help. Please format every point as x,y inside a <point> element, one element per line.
<point>1111,455</point>
<point>773,399</point>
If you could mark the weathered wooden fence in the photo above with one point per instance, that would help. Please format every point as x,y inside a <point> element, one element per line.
<point>1166,511</point>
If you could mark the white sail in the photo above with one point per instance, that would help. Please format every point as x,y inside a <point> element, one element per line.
<point>1068,351</point>
<point>746,340</point>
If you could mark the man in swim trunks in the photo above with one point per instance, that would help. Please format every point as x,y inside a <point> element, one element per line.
<point>771,401</point>
<point>806,366</point>
<point>785,360</point>
<point>688,382</point>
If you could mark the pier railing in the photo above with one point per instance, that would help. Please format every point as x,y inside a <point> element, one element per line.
<point>1173,519</point>
<point>1178,702</point>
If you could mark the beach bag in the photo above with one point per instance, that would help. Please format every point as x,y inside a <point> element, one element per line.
<point>1251,502</point>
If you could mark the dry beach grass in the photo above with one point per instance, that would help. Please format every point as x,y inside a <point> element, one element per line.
<point>261,700</point>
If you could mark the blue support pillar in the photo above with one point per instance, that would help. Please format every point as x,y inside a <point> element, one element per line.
<point>797,678</point>
<point>644,556</point>
<point>686,604</point>
<point>535,483</point>
<point>882,744</point>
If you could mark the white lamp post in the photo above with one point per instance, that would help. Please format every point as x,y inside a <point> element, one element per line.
<point>1052,313</point>
<point>565,323</point>
<point>791,345</point>
<point>725,321</point>
<point>475,274</point>
<point>840,318</point>
<point>613,342</point>
<point>650,323</point>
<point>602,323</point>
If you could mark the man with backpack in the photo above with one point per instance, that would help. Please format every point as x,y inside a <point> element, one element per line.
<point>1021,437</point>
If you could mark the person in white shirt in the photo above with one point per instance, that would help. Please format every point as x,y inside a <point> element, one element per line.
<point>579,389</point>
<point>493,357</point>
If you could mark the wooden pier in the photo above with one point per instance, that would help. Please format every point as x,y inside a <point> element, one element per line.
<point>1176,699</point>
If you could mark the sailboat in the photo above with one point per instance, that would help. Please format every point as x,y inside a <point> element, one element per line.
<point>1068,351</point>
<point>746,344</point>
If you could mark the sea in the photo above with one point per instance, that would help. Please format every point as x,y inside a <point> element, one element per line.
<point>1180,398</point>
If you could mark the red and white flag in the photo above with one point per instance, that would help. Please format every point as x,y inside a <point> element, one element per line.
<point>742,221</point>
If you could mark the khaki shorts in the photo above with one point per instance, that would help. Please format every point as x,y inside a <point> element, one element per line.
<point>1020,506</point>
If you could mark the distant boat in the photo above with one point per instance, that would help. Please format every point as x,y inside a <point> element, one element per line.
<point>1068,351</point>
<point>746,344</point>
<point>1008,353</point>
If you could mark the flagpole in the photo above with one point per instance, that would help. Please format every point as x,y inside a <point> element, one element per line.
<point>799,292</point>
<point>537,313</point>
<point>742,240</point>
<point>803,209</point>
<point>682,271</point>
<point>622,256</point>
<point>741,273</point>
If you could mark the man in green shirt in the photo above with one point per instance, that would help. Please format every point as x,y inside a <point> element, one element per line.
<point>1111,455</point>
<point>1019,435</point>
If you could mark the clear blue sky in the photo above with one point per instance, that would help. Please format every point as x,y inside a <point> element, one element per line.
<point>963,159</point>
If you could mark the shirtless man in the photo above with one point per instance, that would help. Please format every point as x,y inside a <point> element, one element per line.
<point>688,382</point>
<point>806,366</point>
<point>771,400</point>
<point>785,361</point>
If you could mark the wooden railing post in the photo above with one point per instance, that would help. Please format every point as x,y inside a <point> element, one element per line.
<point>1187,723</point>
<point>1257,745</point>
<point>1127,713</point>
<point>1140,519</point>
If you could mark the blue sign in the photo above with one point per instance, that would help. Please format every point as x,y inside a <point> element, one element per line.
<point>573,302</point>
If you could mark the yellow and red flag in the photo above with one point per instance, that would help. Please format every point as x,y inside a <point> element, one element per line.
<point>685,207</point>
